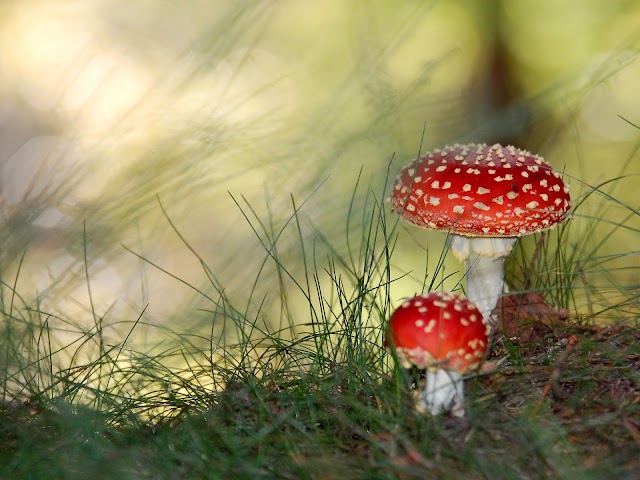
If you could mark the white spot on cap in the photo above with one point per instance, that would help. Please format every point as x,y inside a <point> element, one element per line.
<point>430,326</point>
<point>458,209</point>
<point>499,200</point>
<point>525,174</point>
<point>512,195</point>
<point>466,187</point>
<point>419,323</point>
<point>435,184</point>
<point>483,191</point>
<point>441,168</point>
<point>544,197</point>
<point>481,206</point>
<point>435,201</point>
<point>451,196</point>
<point>446,185</point>
<point>410,207</point>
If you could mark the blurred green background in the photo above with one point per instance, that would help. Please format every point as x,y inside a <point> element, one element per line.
<point>106,106</point>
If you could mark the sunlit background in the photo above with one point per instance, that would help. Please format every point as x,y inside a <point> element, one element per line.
<point>110,109</point>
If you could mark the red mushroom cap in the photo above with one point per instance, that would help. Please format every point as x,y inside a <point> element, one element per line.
<point>477,190</point>
<point>439,330</point>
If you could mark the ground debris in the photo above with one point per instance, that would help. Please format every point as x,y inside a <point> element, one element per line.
<point>526,315</point>
<point>587,379</point>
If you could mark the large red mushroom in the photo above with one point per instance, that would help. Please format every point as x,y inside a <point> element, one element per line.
<point>487,197</point>
<point>446,334</point>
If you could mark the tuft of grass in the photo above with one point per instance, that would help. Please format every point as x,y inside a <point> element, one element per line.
<point>276,390</point>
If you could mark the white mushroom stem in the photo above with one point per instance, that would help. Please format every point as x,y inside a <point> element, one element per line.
<point>444,390</point>
<point>484,264</point>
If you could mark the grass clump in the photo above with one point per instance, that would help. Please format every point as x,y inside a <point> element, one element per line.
<point>267,395</point>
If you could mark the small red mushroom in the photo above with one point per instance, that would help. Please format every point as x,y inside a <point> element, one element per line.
<point>488,197</point>
<point>446,334</point>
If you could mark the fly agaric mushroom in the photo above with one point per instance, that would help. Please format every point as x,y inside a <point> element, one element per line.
<point>488,197</point>
<point>446,334</point>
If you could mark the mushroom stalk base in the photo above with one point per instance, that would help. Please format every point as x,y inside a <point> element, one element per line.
<point>444,390</point>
